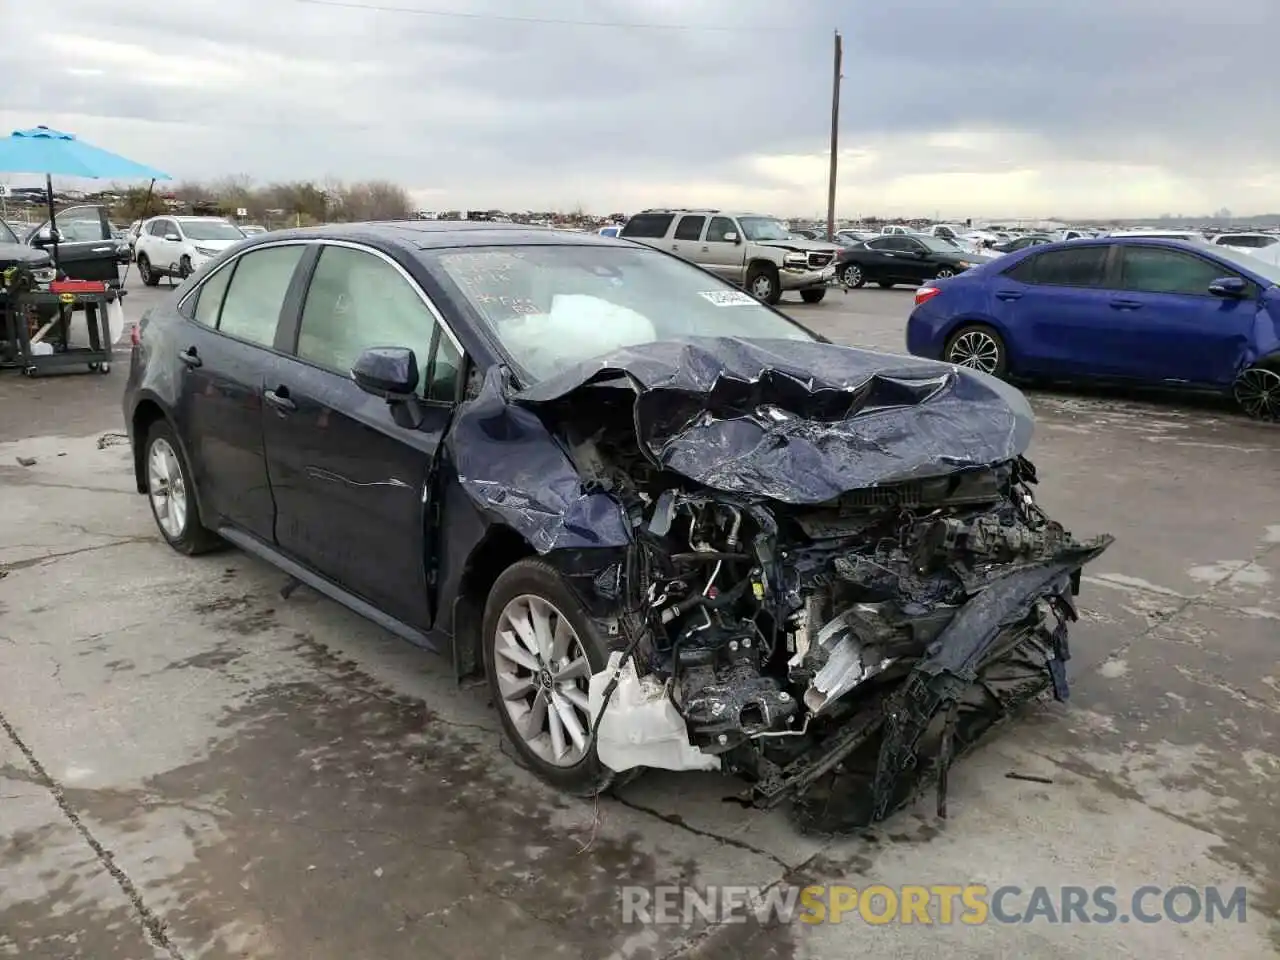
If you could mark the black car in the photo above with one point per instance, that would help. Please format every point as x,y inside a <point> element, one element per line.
<point>901,258</point>
<point>673,527</point>
<point>1021,243</point>
<point>14,253</point>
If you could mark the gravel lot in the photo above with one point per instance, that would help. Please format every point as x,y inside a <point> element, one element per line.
<point>191,766</point>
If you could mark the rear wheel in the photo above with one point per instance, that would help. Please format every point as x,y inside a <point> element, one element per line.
<point>813,295</point>
<point>978,347</point>
<point>763,283</point>
<point>148,275</point>
<point>851,276</point>
<point>172,493</point>
<point>540,650</point>
<point>1257,390</point>
<point>945,273</point>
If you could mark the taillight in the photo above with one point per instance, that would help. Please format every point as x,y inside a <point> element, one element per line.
<point>925,294</point>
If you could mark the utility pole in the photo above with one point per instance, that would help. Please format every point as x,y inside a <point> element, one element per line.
<point>835,136</point>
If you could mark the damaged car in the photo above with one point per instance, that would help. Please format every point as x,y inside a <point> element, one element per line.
<point>673,528</point>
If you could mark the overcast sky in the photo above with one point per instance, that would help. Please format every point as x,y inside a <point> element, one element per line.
<point>980,108</point>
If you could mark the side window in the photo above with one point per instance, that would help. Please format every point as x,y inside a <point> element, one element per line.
<point>357,300</point>
<point>251,307</point>
<point>913,246</point>
<point>210,295</point>
<point>1154,270</point>
<point>157,228</point>
<point>648,226</point>
<point>719,229</point>
<point>1077,267</point>
<point>897,244</point>
<point>881,243</point>
<point>690,228</point>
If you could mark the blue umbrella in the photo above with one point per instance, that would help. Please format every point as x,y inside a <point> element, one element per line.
<point>52,152</point>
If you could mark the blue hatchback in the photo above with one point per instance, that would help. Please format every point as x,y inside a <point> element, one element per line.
<point>1166,313</point>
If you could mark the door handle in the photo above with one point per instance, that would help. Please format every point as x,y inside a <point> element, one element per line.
<point>1008,295</point>
<point>706,249</point>
<point>279,398</point>
<point>103,249</point>
<point>1125,304</point>
<point>190,357</point>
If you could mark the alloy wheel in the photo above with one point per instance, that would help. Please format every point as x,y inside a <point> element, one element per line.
<point>542,672</point>
<point>167,488</point>
<point>144,269</point>
<point>977,350</point>
<point>945,273</point>
<point>852,276</point>
<point>1258,392</point>
<point>762,287</point>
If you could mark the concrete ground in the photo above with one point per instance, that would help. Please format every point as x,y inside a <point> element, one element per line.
<point>191,766</point>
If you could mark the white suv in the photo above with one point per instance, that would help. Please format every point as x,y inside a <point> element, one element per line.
<point>756,252</point>
<point>177,246</point>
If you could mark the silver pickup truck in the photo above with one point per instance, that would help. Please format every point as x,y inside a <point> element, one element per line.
<point>760,253</point>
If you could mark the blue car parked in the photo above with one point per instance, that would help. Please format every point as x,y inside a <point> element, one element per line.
<point>1166,313</point>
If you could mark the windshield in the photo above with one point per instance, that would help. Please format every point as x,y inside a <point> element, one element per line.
<point>1247,240</point>
<point>7,235</point>
<point>211,230</point>
<point>765,228</point>
<point>1246,261</point>
<point>551,307</point>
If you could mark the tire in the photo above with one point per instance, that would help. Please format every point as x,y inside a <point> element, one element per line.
<point>184,530</point>
<point>149,276</point>
<point>978,347</point>
<point>885,284</point>
<point>813,295</point>
<point>851,276</point>
<point>517,688</point>
<point>184,267</point>
<point>1257,391</point>
<point>763,283</point>
<point>944,273</point>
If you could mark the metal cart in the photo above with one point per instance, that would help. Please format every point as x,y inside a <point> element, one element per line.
<point>64,296</point>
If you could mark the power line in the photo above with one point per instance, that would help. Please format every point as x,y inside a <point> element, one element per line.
<point>553,21</point>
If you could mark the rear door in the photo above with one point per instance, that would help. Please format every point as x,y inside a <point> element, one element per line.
<point>1173,327</point>
<point>227,352</point>
<point>1057,310</point>
<point>87,249</point>
<point>686,240</point>
<point>351,473</point>
<point>722,256</point>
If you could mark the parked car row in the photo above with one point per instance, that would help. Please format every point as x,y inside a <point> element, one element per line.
<point>1138,309</point>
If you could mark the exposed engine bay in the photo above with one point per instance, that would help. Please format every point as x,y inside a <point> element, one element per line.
<point>836,651</point>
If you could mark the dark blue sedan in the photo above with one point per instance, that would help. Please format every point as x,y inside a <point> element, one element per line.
<point>1166,313</point>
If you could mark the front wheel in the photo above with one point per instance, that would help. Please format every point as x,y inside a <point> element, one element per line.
<point>978,347</point>
<point>813,295</point>
<point>1257,390</point>
<point>763,284</point>
<point>540,650</point>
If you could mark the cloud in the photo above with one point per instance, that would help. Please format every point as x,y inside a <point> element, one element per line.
<point>988,108</point>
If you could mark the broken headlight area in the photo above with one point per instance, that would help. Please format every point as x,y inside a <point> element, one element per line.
<point>839,654</point>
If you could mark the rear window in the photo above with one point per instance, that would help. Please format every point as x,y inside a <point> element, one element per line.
<point>648,225</point>
<point>1074,267</point>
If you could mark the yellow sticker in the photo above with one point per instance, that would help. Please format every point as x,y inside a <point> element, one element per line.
<point>67,297</point>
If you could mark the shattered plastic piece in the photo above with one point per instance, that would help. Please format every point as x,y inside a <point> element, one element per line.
<point>641,727</point>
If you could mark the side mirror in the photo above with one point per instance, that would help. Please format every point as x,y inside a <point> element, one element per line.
<point>387,372</point>
<point>731,237</point>
<point>173,238</point>
<point>1232,288</point>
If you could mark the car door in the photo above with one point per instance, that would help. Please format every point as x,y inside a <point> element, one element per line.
<point>917,261</point>
<point>350,473</point>
<point>225,355</point>
<point>1055,309</point>
<point>87,250</point>
<point>686,240</point>
<point>1174,328</point>
<point>886,259</point>
<point>721,255</point>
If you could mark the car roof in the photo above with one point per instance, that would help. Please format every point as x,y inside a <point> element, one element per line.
<point>440,234</point>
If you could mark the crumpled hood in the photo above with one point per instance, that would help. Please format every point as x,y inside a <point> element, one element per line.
<point>801,245</point>
<point>15,253</point>
<point>801,422</point>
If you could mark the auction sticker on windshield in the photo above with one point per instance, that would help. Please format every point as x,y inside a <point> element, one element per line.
<point>728,298</point>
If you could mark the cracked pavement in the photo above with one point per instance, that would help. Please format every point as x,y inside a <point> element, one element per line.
<point>193,767</point>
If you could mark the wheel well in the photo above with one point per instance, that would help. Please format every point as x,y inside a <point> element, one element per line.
<point>760,263</point>
<point>145,414</point>
<point>1270,362</point>
<point>499,549</point>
